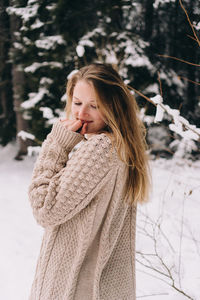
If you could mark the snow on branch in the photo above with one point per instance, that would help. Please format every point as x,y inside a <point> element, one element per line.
<point>35,66</point>
<point>25,135</point>
<point>50,42</point>
<point>33,150</point>
<point>34,98</point>
<point>26,13</point>
<point>159,111</point>
<point>181,126</point>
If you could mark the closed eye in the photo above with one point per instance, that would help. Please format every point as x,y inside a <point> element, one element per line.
<point>79,103</point>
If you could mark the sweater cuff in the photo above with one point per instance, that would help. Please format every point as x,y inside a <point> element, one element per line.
<point>65,137</point>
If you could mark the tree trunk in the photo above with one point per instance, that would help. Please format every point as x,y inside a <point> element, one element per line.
<point>18,89</point>
<point>149,18</point>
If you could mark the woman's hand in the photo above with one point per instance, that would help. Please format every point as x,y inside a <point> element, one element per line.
<point>75,125</point>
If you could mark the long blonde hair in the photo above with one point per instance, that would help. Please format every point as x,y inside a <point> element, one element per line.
<point>120,110</point>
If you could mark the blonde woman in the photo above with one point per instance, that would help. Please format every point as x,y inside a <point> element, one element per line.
<point>87,202</point>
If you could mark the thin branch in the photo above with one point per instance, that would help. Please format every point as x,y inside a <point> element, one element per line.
<point>179,59</point>
<point>188,18</point>
<point>152,295</point>
<point>142,95</point>
<point>181,239</point>
<point>185,78</point>
<point>141,271</point>
<point>161,231</point>
<point>191,37</point>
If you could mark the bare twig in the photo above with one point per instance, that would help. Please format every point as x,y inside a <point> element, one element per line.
<point>191,37</point>
<point>185,78</point>
<point>153,295</point>
<point>181,239</point>
<point>179,59</point>
<point>188,18</point>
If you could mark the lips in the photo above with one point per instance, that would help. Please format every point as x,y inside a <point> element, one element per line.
<point>85,121</point>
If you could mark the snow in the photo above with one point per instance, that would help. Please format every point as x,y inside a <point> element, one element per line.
<point>33,150</point>
<point>51,7</point>
<point>25,135</point>
<point>64,96</point>
<point>110,55</point>
<point>35,66</point>
<point>18,46</point>
<point>34,98</point>
<point>46,81</point>
<point>161,2</point>
<point>20,235</point>
<point>26,41</point>
<point>26,13</point>
<point>159,109</point>
<point>181,126</point>
<point>80,50</point>
<point>134,52</point>
<point>50,42</point>
<point>171,216</point>
<point>37,24</point>
<point>152,88</point>
<point>47,112</point>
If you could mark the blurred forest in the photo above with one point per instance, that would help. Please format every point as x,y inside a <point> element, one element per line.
<point>43,41</point>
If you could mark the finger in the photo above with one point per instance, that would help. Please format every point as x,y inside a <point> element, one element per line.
<point>66,122</point>
<point>75,125</point>
<point>84,129</point>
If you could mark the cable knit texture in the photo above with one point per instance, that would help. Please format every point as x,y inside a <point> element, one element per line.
<point>88,247</point>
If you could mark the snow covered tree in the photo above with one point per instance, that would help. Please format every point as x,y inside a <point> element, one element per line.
<point>45,53</point>
<point>55,37</point>
<point>39,51</point>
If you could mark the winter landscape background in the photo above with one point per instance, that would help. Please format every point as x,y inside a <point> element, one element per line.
<point>167,231</point>
<point>154,44</point>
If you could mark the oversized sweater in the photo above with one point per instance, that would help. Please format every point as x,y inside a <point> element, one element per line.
<point>88,247</point>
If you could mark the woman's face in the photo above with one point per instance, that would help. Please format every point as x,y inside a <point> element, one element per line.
<point>84,106</point>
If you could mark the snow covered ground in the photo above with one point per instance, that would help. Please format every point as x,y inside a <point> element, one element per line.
<point>168,238</point>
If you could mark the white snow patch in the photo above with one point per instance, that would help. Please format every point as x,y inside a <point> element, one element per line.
<point>33,150</point>
<point>159,109</point>
<point>161,2</point>
<point>174,203</point>
<point>35,66</point>
<point>26,13</point>
<point>45,81</point>
<point>37,24</point>
<point>34,98</point>
<point>25,135</point>
<point>50,42</point>
<point>80,50</point>
<point>47,112</point>
<point>64,97</point>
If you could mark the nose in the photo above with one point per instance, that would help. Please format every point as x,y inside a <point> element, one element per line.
<point>83,111</point>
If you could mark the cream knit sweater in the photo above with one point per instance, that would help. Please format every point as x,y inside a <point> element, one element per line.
<point>88,247</point>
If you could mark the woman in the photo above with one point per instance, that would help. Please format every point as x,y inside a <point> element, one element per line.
<point>87,202</point>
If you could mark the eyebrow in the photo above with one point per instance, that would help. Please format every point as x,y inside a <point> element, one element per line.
<point>80,99</point>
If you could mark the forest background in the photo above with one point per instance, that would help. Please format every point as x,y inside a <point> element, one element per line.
<point>154,44</point>
<point>42,42</point>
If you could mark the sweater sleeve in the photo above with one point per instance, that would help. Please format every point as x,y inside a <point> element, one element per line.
<point>61,188</point>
